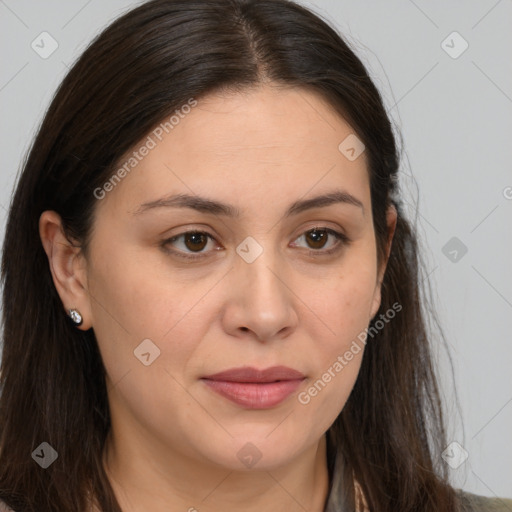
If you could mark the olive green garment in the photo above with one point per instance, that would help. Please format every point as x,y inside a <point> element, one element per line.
<point>470,502</point>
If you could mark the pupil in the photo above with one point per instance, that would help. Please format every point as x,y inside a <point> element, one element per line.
<point>195,241</point>
<point>316,238</point>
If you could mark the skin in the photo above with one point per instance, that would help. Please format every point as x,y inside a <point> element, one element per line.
<point>174,442</point>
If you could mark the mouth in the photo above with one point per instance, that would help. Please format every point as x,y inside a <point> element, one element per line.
<point>255,389</point>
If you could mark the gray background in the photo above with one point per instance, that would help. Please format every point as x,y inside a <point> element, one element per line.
<point>455,115</point>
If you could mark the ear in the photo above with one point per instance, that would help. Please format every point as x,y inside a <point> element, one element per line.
<point>67,266</point>
<point>391,220</point>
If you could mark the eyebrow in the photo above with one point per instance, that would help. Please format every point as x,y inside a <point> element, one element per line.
<point>205,205</point>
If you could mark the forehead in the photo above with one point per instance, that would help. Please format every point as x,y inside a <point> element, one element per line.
<point>280,123</point>
<point>270,142</point>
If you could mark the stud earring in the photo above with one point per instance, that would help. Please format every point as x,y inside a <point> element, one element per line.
<point>75,316</point>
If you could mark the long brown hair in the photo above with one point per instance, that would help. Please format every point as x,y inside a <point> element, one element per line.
<point>137,72</point>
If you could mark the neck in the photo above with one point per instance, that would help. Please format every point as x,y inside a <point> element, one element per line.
<point>143,479</point>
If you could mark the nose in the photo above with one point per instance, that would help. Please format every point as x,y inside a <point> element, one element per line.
<point>260,303</point>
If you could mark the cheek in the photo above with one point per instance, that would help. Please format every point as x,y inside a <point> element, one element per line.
<point>127,295</point>
<point>343,304</point>
<point>335,362</point>
<point>344,300</point>
<point>134,301</point>
<point>138,313</point>
<point>340,351</point>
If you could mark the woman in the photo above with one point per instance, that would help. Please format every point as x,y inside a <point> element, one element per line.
<point>218,287</point>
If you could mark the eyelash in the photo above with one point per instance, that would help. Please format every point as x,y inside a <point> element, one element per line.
<point>342,240</point>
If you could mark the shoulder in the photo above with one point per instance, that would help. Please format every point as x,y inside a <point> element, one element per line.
<point>474,503</point>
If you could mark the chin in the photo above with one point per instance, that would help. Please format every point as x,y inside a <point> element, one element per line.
<point>256,451</point>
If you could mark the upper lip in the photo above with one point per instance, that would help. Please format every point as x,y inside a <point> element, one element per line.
<point>249,374</point>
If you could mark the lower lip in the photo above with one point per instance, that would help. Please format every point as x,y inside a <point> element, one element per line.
<point>252,395</point>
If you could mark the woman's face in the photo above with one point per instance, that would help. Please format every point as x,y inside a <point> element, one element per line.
<point>264,282</point>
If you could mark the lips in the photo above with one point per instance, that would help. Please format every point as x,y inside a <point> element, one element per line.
<point>248,374</point>
<point>255,389</point>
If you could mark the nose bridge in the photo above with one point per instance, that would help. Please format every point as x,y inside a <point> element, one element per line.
<point>261,299</point>
<point>259,275</point>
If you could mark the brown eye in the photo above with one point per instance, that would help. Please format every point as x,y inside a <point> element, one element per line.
<point>190,244</point>
<point>321,241</point>
<point>195,241</point>
<point>317,238</point>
